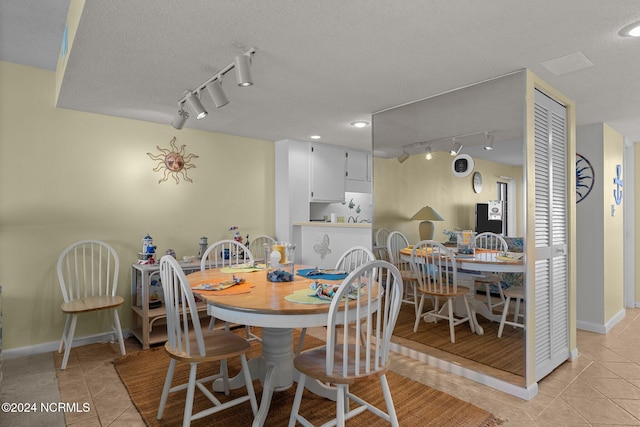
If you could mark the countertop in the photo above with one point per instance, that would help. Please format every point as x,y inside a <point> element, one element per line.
<point>333,224</point>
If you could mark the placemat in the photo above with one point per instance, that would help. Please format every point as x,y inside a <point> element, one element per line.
<point>240,270</point>
<point>324,276</point>
<point>305,296</point>
<point>242,288</point>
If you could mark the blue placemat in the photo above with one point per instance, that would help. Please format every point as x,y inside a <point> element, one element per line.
<point>323,276</point>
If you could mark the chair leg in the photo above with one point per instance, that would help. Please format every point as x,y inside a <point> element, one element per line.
<point>517,312</point>
<point>191,387</point>
<point>340,405</point>
<point>68,341</point>
<point>116,320</point>
<point>505,311</point>
<point>303,333</point>
<point>452,331</point>
<point>165,390</point>
<point>249,384</point>
<point>63,339</point>
<point>212,322</point>
<point>391,410</point>
<point>295,408</point>
<point>419,313</point>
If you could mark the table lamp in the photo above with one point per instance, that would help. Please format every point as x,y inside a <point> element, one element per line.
<point>426,228</point>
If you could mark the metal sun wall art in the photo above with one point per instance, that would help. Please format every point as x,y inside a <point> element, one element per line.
<point>173,162</point>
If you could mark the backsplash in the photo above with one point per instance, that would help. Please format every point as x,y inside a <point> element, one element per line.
<point>358,207</point>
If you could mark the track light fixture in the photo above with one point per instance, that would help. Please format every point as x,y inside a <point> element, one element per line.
<point>242,65</point>
<point>217,94</point>
<point>195,104</point>
<point>456,148</point>
<point>489,143</point>
<point>403,157</point>
<point>429,154</point>
<point>243,70</point>
<point>181,118</point>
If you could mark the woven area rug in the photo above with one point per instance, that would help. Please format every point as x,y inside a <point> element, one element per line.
<point>143,375</point>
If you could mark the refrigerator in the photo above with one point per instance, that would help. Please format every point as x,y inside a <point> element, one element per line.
<point>490,217</point>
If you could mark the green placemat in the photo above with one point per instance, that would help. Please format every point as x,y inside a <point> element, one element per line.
<point>303,296</point>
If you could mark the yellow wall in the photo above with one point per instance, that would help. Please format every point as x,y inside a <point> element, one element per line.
<point>613,292</point>
<point>401,189</point>
<point>67,175</point>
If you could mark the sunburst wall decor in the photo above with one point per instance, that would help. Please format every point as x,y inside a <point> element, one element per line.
<point>173,162</point>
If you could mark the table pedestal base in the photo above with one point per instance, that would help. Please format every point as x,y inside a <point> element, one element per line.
<point>274,368</point>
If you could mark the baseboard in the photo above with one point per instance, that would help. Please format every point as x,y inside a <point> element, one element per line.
<point>54,345</point>
<point>526,393</point>
<point>601,328</point>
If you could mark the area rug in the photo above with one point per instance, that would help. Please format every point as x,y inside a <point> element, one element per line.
<point>143,375</point>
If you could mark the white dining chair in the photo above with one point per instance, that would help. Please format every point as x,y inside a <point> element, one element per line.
<point>88,277</point>
<point>396,242</point>
<point>225,253</point>
<point>494,242</point>
<point>187,343</point>
<point>350,260</point>
<point>257,247</point>
<point>435,268</point>
<point>347,358</point>
<point>515,293</point>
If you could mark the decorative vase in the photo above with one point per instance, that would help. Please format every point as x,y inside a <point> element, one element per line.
<point>279,258</point>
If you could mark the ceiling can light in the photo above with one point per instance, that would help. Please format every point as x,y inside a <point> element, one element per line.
<point>429,154</point>
<point>315,136</point>
<point>196,105</point>
<point>181,118</point>
<point>360,124</point>
<point>243,70</point>
<point>217,94</point>
<point>632,30</point>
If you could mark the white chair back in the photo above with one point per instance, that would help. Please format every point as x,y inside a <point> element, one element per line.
<point>88,268</point>
<point>435,268</point>
<point>224,253</point>
<point>372,316</point>
<point>353,258</point>
<point>381,237</point>
<point>183,322</point>
<point>257,247</point>
<point>395,242</point>
<point>491,241</point>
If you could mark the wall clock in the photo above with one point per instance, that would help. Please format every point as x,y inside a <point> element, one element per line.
<point>477,182</point>
<point>585,177</point>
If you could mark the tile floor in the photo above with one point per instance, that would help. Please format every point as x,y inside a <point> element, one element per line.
<point>601,388</point>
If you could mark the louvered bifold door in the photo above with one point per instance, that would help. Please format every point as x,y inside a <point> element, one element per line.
<point>551,236</point>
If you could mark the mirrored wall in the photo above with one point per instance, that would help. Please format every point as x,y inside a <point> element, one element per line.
<point>468,120</point>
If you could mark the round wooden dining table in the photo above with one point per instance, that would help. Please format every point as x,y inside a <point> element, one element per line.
<point>262,303</point>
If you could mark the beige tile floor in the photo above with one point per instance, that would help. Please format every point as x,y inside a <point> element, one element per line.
<point>601,388</point>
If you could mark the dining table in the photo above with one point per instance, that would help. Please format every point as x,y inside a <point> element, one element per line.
<point>278,308</point>
<point>476,264</point>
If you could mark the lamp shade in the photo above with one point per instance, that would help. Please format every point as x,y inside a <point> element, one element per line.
<point>427,213</point>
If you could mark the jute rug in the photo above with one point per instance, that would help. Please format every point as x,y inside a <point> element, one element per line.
<point>143,375</point>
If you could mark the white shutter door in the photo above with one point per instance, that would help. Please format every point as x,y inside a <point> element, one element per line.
<point>551,260</point>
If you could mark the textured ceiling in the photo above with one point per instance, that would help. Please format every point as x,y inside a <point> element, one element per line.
<point>321,65</point>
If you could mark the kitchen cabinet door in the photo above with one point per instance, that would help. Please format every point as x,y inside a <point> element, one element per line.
<point>358,171</point>
<point>328,173</point>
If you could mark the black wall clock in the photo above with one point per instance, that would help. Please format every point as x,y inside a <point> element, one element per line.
<point>585,177</point>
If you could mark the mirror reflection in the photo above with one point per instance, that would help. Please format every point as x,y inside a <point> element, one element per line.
<point>446,164</point>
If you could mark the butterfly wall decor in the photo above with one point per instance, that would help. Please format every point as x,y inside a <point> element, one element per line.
<point>322,248</point>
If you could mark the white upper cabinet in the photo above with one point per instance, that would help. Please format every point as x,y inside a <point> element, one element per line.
<point>328,172</point>
<point>359,171</point>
